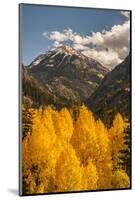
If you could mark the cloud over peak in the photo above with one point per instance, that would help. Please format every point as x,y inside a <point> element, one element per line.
<point>109,47</point>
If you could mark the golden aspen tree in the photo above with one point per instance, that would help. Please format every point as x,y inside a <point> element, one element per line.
<point>104,162</point>
<point>89,177</point>
<point>47,120</point>
<point>50,119</point>
<point>28,181</point>
<point>120,179</point>
<point>63,124</point>
<point>116,134</point>
<point>84,138</point>
<point>68,171</point>
<point>40,152</point>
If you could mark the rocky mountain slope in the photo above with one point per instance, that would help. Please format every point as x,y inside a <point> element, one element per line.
<point>66,74</point>
<point>113,95</point>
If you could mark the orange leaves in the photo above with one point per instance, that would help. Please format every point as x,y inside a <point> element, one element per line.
<point>63,154</point>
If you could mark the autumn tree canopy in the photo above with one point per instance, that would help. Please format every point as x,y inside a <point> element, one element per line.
<point>62,153</point>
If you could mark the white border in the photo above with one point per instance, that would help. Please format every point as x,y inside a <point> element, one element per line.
<point>9,98</point>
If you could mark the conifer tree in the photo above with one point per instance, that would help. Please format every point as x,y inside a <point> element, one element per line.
<point>27,117</point>
<point>125,154</point>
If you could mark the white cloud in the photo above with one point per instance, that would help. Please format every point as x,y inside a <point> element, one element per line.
<point>126,14</point>
<point>80,46</point>
<point>108,47</point>
<point>108,58</point>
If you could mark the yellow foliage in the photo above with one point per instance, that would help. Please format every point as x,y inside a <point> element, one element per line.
<point>63,124</point>
<point>84,138</point>
<point>104,162</point>
<point>120,179</point>
<point>116,135</point>
<point>62,154</point>
<point>101,76</point>
<point>89,177</point>
<point>127,89</point>
<point>68,171</point>
<point>40,150</point>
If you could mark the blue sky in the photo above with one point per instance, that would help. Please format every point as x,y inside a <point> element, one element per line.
<point>35,20</point>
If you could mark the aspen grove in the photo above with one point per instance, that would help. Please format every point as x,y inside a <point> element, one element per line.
<point>65,153</point>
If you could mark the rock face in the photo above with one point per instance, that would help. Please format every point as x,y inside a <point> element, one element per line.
<point>113,95</point>
<point>68,75</point>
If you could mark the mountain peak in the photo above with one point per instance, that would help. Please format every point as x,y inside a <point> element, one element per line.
<point>67,73</point>
<point>65,47</point>
<point>67,50</point>
<point>65,54</point>
<point>64,50</point>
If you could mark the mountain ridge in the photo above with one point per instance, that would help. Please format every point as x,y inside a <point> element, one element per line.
<point>113,95</point>
<point>67,74</point>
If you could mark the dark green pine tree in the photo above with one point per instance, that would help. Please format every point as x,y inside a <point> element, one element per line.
<point>27,118</point>
<point>125,154</point>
